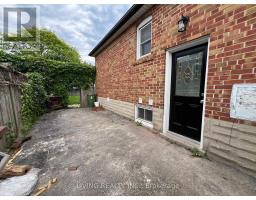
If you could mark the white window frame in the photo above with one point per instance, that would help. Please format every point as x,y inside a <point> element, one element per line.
<point>142,24</point>
<point>144,122</point>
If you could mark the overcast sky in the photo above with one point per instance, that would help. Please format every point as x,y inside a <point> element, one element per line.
<point>81,26</point>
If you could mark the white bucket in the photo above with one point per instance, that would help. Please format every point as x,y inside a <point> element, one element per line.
<point>96,104</point>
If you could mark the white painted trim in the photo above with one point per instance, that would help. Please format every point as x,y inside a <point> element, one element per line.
<point>144,123</point>
<point>143,23</point>
<point>205,86</point>
<point>167,90</point>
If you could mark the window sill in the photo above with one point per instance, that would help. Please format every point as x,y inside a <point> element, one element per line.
<point>143,59</point>
<point>144,56</point>
<point>144,123</point>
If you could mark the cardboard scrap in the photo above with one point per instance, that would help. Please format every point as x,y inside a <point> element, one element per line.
<point>14,170</point>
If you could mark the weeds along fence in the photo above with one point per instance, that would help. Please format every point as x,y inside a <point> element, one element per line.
<point>10,98</point>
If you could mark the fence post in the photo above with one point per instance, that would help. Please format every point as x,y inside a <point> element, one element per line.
<point>83,98</point>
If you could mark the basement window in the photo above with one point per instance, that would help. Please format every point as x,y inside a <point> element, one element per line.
<point>144,115</point>
<point>148,115</point>
<point>144,37</point>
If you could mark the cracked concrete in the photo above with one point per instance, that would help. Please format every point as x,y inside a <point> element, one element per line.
<point>116,157</point>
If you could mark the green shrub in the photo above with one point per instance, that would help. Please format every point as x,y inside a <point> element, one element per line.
<point>9,139</point>
<point>10,136</point>
<point>46,77</point>
<point>33,100</point>
<point>59,76</point>
<point>81,75</point>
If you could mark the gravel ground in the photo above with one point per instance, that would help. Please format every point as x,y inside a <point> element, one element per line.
<point>113,156</point>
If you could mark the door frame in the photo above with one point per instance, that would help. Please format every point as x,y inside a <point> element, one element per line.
<point>167,92</point>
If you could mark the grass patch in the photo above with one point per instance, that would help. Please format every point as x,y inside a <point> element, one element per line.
<point>73,100</point>
<point>138,123</point>
<point>197,153</point>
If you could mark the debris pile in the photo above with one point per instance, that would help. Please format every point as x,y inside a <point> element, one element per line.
<point>20,180</point>
<point>11,169</point>
<point>20,185</point>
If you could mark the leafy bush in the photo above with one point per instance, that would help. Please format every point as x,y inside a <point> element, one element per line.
<point>70,74</point>
<point>47,77</point>
<point>59,76</point>
<point>10,136</point>
<point>33,100</point>
<point>9,139</point>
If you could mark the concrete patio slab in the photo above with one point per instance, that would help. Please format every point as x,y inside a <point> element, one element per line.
<point>101,153</point>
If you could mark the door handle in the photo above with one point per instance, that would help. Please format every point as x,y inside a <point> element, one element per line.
<point>202,101</point>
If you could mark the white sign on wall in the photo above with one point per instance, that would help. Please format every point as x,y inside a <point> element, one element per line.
<point>243,102</point>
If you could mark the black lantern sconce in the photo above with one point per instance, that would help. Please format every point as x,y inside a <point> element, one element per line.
<point>182,23</point>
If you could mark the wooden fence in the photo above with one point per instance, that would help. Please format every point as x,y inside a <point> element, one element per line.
<point>10,98</point>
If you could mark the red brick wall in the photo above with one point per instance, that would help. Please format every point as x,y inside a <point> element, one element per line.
<point>232,55</point>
